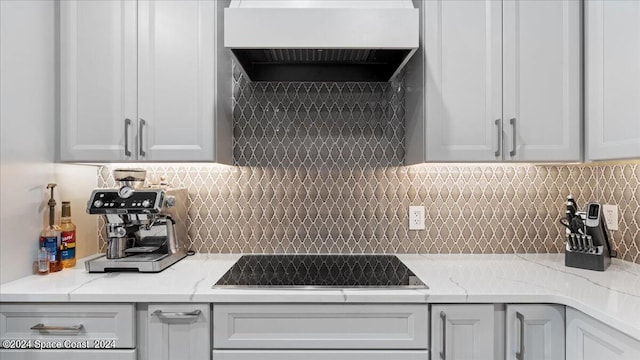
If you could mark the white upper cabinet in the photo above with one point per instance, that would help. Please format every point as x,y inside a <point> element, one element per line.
<point>542,80</point>
<point>98,80</point>
<point>490,69</point>
<point>464,74</point>
<point>176,79</point>
<point>612,93</point>
<point>140,79</point>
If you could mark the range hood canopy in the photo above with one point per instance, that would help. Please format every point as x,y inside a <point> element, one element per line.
<point>321,40</point>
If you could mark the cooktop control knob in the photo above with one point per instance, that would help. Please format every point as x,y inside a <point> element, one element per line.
<point>146,203</point>
<point>98,203</point>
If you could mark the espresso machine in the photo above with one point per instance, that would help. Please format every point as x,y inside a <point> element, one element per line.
<point>144,225</point>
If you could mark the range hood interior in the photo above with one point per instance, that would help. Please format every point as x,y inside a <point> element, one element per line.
<point>320,64</point>
<point>321,40</point>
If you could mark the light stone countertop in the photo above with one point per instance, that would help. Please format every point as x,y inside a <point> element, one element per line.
<point>612,297</point>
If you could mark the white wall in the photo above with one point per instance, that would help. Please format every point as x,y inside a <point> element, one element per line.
<point>75,183</point>
<point>28,88</point>
<point>27,114</point>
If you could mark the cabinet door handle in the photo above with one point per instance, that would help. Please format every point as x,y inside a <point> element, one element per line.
<point>499,126</point>
<point>44,328</point>
<point>520,352</point>
<point>127,123</point>
<point>515,133</point>
<point>192,315</point>
<point>140,137</point>
<point>443,353</point>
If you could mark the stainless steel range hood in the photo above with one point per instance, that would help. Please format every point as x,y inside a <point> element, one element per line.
<point>321,40</point>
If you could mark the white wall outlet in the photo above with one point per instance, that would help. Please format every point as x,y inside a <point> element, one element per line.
<point>611,216</point>
<point>416,217</point>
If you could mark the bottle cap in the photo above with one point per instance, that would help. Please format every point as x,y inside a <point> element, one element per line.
<point>66,209</point>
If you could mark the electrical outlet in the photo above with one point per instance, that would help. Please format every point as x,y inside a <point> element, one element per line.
<point>611,216</point>
<point>416,217</point>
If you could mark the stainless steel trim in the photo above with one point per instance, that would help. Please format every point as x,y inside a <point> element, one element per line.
<point>499,125</point>
<point>127,123</point>
<point>44,328</point>
<point>512,121</point>
<point>135,262</point>
<point>520,352</point>
<point>443,353</point>
<point>141,124</point>
<point>191,315</point>
<point>321,287</point>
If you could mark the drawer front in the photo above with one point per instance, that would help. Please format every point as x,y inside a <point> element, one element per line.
<point>320,355</point>
<point>333,326</point>
<point>105,325</point>
<point>68,355</point>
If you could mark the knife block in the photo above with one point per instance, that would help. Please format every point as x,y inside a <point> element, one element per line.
<point>593,250</point>
<point>588,261</point>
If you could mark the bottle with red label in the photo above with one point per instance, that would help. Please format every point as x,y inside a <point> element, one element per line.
<point>68,237</point>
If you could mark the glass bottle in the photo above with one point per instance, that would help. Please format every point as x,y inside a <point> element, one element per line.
<point>43,261</point>
<point>67,236</point>
<point>49,236</point>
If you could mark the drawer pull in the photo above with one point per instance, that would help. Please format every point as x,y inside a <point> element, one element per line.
<point>443,353</point>
<point>520,352</point>
<point>43,328</point>
<point>515,136</point>
<point>177,315</point>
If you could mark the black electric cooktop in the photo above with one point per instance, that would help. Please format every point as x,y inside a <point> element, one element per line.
<point>319,271</point>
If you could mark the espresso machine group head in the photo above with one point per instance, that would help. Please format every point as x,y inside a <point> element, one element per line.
<point>144,225</point>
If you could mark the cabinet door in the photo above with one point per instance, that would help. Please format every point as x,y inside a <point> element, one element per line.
<point>462,332</point>
<point>589,339</point>
<point>463,72</point>
<point>176,84</point>
<point>177,331</point>
<point>542,80</point>
<point>612,79</point>
<point>535,332</point>
<point>320,355</point>
<point>98,80</point>
<point>75,354</point>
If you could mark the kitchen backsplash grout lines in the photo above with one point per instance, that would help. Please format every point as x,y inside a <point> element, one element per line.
<point>319,170</point>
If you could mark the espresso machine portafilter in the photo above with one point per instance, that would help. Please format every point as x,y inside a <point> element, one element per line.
<point>144,225</point>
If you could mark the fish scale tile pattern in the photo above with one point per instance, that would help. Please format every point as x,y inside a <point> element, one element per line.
<point>319,170</point>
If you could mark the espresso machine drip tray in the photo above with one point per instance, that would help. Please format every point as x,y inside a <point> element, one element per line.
<point>145,262</point>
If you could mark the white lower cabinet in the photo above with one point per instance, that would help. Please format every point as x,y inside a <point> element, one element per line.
<point>320,331</point>
<point>68,355</point>
<point>535,332</point>
<point>463,331</point>
<point>497,331</point>
<point>320,355</point>
<point>174,331</point>
<point>589,339</point>
<point>45,331</point>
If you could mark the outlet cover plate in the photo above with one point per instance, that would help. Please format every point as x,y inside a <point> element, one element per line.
<point>416,217</point>
<point>611,216</point>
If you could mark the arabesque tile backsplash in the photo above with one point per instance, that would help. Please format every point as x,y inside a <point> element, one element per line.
<point>319,170</point>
